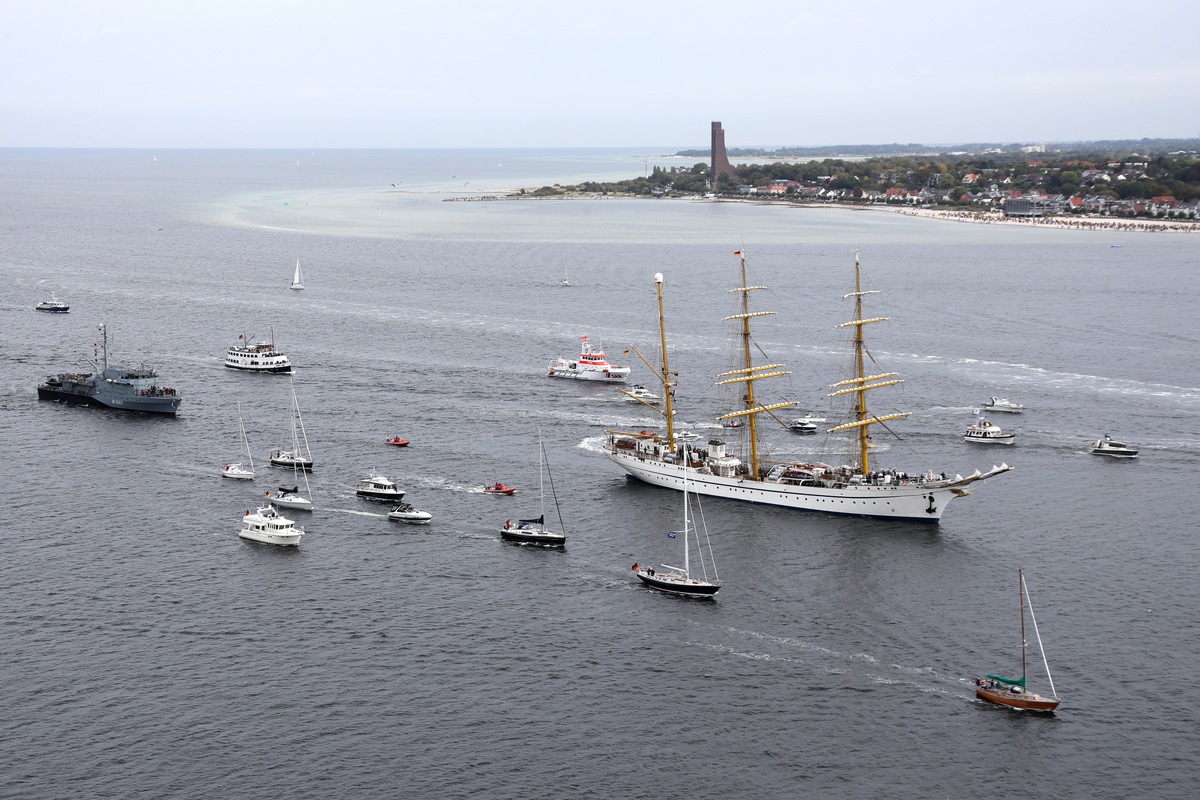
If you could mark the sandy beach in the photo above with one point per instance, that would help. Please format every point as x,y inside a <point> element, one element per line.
<point>973,217</point>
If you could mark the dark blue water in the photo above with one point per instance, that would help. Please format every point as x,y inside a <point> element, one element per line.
<point>148,652</point>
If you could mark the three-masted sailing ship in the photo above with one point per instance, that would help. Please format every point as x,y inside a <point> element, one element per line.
<point>857,489</point>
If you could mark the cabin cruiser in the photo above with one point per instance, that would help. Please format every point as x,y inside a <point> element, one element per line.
<point>267,526</point>
<point>1108,447</point>
<point>640,393</point>
<point>379,487</point>
<point>1000,404</point>
<point>985,432</point>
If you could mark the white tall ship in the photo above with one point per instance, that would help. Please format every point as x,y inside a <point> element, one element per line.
<point>856,488</point>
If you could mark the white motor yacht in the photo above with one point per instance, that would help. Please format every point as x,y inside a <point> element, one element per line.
<point>267,526</point>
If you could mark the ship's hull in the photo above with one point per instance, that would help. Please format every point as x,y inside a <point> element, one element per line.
<point>276,368</point>
<point>150,405</point>
<point>590,375</point>
<point>533,536</point>
<point>1029,702</point>
<point>679,586</point>
<point>913,502</point>
<point>266,537</point>
<point>371,494</point>
<point>1004,438</point>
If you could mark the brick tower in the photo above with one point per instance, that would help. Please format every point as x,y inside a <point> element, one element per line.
<point>720,162</point>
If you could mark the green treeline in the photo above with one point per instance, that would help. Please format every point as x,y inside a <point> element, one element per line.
<point>944,179</point>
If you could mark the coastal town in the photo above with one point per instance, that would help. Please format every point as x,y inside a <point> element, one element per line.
<point>1086,187</point>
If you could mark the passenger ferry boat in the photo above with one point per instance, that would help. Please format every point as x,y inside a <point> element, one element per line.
<point>592,365</point>
<point>53,305</point>
<point>257,356</point>
<point>856,488</point>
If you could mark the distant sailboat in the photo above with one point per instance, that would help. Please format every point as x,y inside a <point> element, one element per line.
<point>298,277</point>
<point>565,281</point>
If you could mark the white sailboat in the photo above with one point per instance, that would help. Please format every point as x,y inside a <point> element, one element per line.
<point>290,496</point>
<point>534,531</point>
<point>679,580</point>
<point>297,278</point>
<point>300,456</point>
<point>239,471</point>
<point>857,488</point>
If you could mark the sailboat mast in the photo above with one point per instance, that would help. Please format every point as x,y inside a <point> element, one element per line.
<point>1038,634</point>
<point>687,565</point>
<point>541,469</point>
<point>860,412</point>
<point>1021,593</point>
<point>666,371</point>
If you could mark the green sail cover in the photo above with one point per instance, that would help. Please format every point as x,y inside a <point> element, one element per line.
<point>1010,681</point>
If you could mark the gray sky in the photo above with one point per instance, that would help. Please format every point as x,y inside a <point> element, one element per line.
<point>558,73</point>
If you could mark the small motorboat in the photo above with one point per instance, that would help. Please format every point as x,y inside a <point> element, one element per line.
<point>640,393</point>
<point>499,488</point>
<point>985,432</point>
<point>406,513</point>
<point>1108,447</point>
<point>267,526</point>
<point>803,425</point>
<point>379,487</point>
<point>1000,404</point>
<point>397,441</point>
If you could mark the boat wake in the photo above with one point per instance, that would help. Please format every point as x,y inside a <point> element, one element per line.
<point>355,512</point>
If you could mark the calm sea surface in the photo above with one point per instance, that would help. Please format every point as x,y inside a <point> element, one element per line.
<point>147,651</point>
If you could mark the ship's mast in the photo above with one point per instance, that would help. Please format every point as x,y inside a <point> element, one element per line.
<point>668,384</point>
<point>104,346</point>
<point>861,383</point>
<point>749,373</point>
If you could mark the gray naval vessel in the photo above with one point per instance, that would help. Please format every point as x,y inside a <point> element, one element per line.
<point>122,388</point>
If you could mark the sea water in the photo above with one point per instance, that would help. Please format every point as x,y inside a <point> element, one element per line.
<point>149,652</point>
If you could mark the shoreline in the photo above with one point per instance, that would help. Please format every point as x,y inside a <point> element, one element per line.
<point>950,215</point>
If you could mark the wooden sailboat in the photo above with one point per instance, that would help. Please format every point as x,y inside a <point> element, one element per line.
<point>859,489</point>
<point>297,277</point>
<point>239,471</point>
<point>534,531</point>
<point>1013,692</point>
<point>679,580</point>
